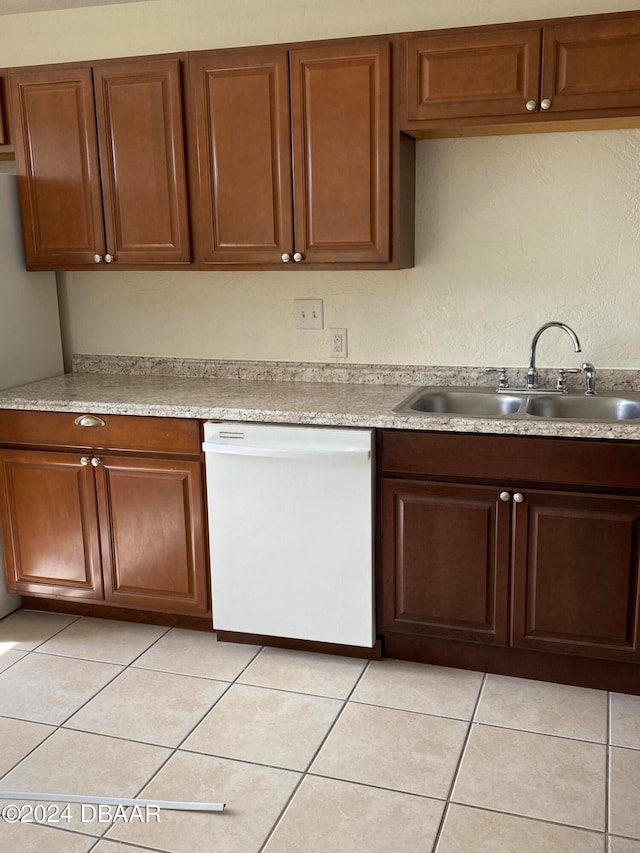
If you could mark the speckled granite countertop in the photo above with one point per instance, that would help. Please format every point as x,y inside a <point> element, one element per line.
<point>283,400</point>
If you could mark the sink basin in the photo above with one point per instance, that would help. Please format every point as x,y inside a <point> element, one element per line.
<point>475,402</point>
<point>484,402</point>
<point>582,408</point>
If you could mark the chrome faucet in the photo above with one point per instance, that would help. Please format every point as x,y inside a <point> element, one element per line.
<point>532,373</point>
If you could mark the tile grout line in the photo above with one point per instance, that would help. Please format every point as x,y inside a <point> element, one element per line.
<point>175,749</point>
<point>61,726</point>
<point>456,772</point>
<point>305,773</point>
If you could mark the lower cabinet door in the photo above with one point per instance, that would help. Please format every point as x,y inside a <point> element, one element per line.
<point>445,559</point>
<point>49,524</point>
<point>151,534</point>
<point>575,574</point>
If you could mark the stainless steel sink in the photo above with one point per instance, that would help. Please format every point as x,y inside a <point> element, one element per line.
<point>447,401</point>
<point>582,408</point>
<point>525,405</point>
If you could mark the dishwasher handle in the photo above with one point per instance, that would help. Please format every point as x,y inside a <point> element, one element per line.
<point>282,453</point>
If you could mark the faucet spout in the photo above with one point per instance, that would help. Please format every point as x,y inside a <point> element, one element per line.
<point>532,373</point>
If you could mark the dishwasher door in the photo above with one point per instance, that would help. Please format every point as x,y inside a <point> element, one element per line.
<point>290,528</point>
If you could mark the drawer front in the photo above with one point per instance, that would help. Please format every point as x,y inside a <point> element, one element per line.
<point>119,432</point>
<point>517,459</point>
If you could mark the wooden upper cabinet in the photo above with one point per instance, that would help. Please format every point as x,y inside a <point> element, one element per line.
<point>592,66</point>
<point>497,75</point>
<point>102,175</point>
<point>142,158</point>
<point>576,564</point>
<point>487,73</point>
<point>340,118</point>
<point>291,153</point>
<point>243,203</point>
<point>57,162</point>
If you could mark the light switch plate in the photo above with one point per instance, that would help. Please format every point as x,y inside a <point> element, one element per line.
<point>308,313</point>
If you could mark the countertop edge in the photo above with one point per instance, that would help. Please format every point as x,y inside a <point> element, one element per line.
<point>436,423</point>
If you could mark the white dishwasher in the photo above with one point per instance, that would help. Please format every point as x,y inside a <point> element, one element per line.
<point>290,530</point>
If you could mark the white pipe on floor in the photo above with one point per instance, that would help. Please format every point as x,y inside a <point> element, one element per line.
<point>175,805</point>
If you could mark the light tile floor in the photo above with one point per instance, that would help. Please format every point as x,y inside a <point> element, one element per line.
<point>311,753</point>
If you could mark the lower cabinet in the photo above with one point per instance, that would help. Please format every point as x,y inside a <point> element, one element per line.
<point>575,574</point>
<point>445,558</point>
<point>104,527</point>
<point>527,567</point>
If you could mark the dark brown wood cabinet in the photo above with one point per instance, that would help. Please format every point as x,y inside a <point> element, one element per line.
<point>102,524</point>
<point>525,543</point>
<point>107,193</point>
<point>576,559</point>
<point>445,558</point>
<point>587,69</point>
<point>292,155</point>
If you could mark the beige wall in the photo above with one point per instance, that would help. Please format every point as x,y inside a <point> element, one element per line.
<point>510,231</point>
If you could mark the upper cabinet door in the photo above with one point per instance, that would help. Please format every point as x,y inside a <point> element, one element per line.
<point>340,117</point>
<point>139,117</point>
<point>242,197</point>
<point>57,161</point>
<point>592,66</point>
<point>490,73</point>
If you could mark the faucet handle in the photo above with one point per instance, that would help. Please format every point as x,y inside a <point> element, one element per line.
<point>589,378</point>
<point>503,382</point>
<point>561,381</point>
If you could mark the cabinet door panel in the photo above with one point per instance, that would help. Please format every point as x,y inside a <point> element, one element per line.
<point>57,160</point>
<point>340,113</point>
<point>152,534</point>
<point>445,554</point>
<point>139,114</point>
<point>49,525</point>
<point>575,574</point>
<point>243,154</point>
<point>592,66</point>
<point>491,73</point>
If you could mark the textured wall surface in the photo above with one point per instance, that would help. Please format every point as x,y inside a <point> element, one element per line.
<point>510,231</point>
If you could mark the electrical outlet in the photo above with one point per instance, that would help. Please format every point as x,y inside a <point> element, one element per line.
<point>338,343</point>
<point>308,313</point>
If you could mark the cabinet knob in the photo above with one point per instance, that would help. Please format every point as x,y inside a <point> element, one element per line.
<point>89,421</point>
<point>97,259</point>
<point>84,460</point>
<point>505,496</point>
<point>95,461</point>
<point>545,104</point>
<point>297,257</point>
<point>518,497</point>
<point>531,106</point>
<point>108,259</point>
<point>286,258</point>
